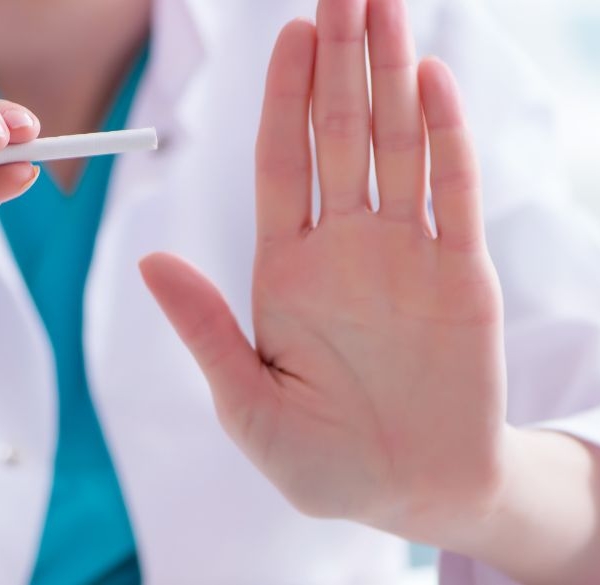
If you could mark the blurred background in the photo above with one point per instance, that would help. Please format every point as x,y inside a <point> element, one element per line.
<point>562,39</point>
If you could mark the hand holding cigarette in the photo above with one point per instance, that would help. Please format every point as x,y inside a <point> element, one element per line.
<point>19,147</point>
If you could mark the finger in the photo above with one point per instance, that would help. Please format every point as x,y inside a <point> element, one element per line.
<point>398,129</point>
<point>17,124</point>
<point>283,158</point>
<point>341,113</point>
<point>16,179</point>
<point>204,322</point>
<point>455,179</point>
<point>20,123</point>
<point>4,133</point>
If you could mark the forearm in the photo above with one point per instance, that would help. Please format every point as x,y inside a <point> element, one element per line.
<point>546,530</point>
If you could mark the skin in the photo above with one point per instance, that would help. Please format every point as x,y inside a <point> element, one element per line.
<point>376,388</point>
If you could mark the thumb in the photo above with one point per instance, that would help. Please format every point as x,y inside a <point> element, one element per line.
<point>206,325</point>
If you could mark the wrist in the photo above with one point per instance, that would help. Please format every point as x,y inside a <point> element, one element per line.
<point>451,514</point>
<point>481,531</point>
<point>543,528</point>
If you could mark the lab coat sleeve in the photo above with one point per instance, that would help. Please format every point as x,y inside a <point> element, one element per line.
<point>585,425</point>
<point>545,249</point>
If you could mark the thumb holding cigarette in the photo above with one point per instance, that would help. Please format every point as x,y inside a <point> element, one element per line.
<point>17,125</point>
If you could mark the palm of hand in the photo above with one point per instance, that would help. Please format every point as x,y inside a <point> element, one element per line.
<point>370,334</point>
<point>374,338</point>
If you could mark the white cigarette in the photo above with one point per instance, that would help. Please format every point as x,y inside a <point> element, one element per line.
<point>80,146</point>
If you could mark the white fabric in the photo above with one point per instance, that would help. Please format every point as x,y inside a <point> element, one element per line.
<point>201,513</point>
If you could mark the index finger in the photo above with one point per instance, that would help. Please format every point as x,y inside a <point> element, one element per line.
<point>17,124</point>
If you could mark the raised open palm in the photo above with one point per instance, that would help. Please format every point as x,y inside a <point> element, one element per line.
<point>375,390</point>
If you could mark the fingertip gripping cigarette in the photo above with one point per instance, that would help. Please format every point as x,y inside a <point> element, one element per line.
<point>80,146</point>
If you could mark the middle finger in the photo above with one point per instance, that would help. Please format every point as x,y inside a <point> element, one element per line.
<point>398,127</point>
<point>341,112</point>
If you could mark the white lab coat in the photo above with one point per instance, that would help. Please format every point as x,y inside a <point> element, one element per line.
<point>200,512</point>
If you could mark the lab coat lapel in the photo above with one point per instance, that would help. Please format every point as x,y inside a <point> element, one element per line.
<point>153,404</point>
<point>28,422</point>
<point>131,386</point>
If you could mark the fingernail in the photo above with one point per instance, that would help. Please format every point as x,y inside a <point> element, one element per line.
<point>17,119</point>
<point>3,131</point>
<point>34,177</point>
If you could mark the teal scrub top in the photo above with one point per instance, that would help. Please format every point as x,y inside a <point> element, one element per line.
<point>87,538</point>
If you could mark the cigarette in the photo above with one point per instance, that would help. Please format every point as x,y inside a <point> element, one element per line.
<point>80,146</point>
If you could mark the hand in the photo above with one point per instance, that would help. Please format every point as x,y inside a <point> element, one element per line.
<point>17,124</point>
<point>376,390</point>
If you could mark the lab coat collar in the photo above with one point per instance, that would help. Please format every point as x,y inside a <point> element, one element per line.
<point>181,36</point>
